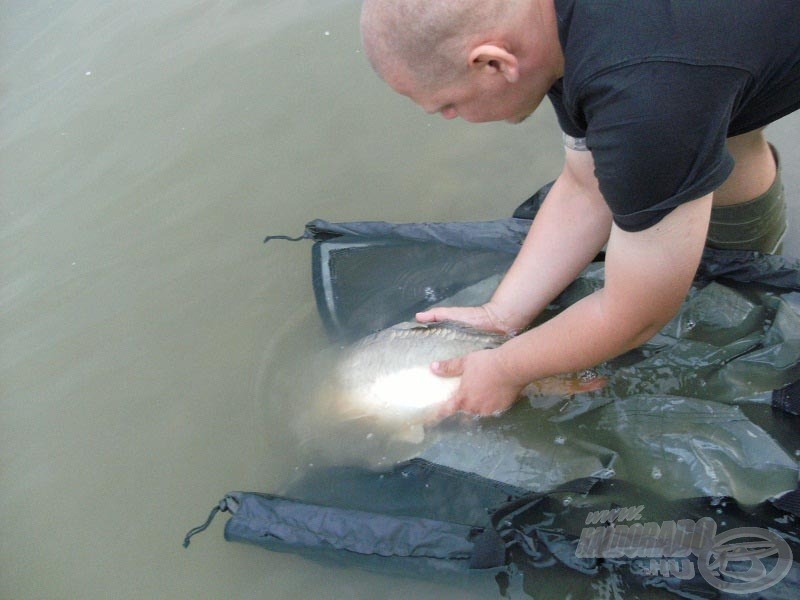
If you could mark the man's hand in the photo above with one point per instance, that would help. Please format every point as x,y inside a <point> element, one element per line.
<point>483,317</point>
<point>486,387</point>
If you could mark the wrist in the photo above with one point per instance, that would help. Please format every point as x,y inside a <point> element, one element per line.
<point>509,368</point>
<point>504,319</point>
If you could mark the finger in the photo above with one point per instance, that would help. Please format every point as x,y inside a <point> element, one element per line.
<point>449,408</point>
<point>434,315</point>
<point>448,368</point>
<point>462,314</point>
<point>428,316</point>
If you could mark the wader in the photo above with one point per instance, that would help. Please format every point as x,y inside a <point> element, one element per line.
<point>759,224</point>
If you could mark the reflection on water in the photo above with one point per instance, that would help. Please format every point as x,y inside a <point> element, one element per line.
<point>152,351</point>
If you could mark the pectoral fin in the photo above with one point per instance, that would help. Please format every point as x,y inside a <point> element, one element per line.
<point>565,385</point>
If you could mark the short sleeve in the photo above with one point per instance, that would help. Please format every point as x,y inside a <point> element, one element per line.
<point>568,126</point>
<point>657,134</point>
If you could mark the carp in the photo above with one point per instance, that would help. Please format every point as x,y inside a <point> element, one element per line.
<point>386,376</point>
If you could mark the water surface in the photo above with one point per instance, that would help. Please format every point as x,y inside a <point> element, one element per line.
<point>152,350</point>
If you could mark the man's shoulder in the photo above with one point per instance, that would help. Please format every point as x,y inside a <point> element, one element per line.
<point>601,36</point>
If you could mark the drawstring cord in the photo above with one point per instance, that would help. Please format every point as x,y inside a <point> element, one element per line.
<point>269,238</point>
<point>222,506</point>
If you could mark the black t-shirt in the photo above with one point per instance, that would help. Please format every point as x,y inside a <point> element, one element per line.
<point>656,86</point>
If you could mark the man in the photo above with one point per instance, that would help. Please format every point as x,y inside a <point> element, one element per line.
<point>662,105</point>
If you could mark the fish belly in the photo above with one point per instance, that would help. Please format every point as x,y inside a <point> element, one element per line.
<point>403,394</point>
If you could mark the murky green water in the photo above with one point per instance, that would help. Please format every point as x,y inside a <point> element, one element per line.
<point>152,350</point>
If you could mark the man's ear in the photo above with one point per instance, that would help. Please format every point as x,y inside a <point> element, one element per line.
<point>495,59</point>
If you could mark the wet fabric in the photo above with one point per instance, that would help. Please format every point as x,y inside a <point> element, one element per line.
<point>682,448</point>
<point>787,398</point>
<point>423,516</point>
<point>414,265</point>
<point>421,519</point>
<point>672,413</point>
<point>683,427</point>
<point>518,452</point>
<point>426,517</point>
<point>562,529</point>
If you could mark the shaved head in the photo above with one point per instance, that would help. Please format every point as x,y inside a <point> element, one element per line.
<point>429,38</point>
<point>480,60</point>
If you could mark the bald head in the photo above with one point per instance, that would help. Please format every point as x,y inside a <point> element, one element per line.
<point>430,38</point>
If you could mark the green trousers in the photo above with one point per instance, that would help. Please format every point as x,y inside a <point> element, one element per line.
<point>759,224</point>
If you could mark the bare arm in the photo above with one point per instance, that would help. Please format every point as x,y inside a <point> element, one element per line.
<point>648,274</point>
<point>567,233</point>
<point>571,227</point>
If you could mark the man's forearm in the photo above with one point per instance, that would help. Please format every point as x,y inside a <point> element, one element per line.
<point>648,274</point>
<point>571,227</point>
<point>581,337</point>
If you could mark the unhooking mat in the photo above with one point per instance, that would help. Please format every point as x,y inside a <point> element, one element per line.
<point>696,426</point>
